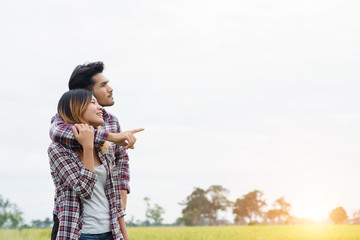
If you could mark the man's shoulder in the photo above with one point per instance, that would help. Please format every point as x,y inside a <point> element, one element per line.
<point>56,147</point>
<point>108,115</point>
<point>55,118</point>
<point>110,118</point>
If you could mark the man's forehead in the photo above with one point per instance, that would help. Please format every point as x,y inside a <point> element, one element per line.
<point>100,78</point>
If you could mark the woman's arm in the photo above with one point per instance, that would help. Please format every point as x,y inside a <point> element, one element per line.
<point>123,228</point>
<point>68,171</point>
<point>84,134</point>
<point>62,163</point>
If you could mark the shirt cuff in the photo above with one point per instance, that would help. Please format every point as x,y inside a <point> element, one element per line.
<point>121,213</point>
<point>100,136</point>
<point>124,185</point>
<point>90,175</point>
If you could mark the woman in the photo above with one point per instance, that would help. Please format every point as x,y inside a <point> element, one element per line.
<point>88,200</point>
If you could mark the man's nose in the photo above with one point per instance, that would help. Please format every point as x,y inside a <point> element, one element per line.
<point>110,90</point>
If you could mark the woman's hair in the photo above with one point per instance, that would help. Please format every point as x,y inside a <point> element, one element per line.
<point>73,104</point>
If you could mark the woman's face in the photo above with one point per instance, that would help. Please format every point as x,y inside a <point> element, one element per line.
<point>93,113</point>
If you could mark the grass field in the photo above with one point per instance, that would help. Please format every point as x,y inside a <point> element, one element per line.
<point>316,232</point>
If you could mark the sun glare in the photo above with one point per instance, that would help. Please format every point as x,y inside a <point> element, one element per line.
<point>316,214</point>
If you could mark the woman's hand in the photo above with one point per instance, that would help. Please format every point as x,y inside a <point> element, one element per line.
<point>84,134</point>
<point>126,236</point>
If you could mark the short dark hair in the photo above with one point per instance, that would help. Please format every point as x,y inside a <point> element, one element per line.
<point>82,75</point>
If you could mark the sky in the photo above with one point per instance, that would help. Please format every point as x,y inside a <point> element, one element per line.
<point>244,94</point>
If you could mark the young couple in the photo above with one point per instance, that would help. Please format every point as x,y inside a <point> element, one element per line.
<point>88,160</point>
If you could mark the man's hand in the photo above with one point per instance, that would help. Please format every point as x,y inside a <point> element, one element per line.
<point>125,139</point>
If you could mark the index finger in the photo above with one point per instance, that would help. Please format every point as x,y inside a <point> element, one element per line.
<point>137,130</point>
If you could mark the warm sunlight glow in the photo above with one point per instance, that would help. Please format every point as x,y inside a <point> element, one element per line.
<point>316,214</point>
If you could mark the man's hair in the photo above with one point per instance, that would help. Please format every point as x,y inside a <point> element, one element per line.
<point>82,75</point>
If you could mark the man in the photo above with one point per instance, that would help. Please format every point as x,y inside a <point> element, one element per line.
<point>89,76</point>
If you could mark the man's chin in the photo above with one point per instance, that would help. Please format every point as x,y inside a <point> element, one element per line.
<point>108,104</point>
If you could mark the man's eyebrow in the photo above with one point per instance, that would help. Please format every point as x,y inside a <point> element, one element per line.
<point>104,82</point>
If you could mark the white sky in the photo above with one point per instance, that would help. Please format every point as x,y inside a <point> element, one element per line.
<point>246,94</point>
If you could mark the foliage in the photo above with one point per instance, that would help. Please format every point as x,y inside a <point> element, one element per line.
<point>154,213</point>
<point>280,214</point>
<point>197,208</point>
<point>248,208</point>
<point>10,216</point>
<point>338,215</point>
<point>218,202</point>
<point>202,206</point>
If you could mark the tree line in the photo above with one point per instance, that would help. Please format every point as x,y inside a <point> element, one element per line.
<point>201,208</point>
<point>11,217</point>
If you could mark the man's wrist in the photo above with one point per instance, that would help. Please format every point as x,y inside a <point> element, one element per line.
<point>110,137</point>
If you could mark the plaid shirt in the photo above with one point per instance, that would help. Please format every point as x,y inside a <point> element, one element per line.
<point>73,182</point>
<point>61,132</point>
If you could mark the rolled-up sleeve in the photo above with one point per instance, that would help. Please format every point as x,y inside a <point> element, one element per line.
<point>122,165</point>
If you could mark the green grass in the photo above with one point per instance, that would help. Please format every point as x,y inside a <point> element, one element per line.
<point>315,232</point>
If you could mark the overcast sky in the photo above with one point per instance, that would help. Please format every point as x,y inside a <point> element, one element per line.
<point>247,94</point>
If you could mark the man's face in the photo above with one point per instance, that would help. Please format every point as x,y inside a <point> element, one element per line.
<point>102,91</point>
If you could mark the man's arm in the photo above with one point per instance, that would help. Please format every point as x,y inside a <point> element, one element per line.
<point>61,132</point>
<point>122,165</point>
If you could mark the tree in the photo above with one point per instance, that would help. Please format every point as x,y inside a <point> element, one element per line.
<point>281,212</point>
<point>154,213</point>
<point>356,217</point>
<point>218,202</point>
<point>248,208</point>
<point>10,216</point>
<point>338,215</point>
<point>198,207</point>
<point>202,206</point>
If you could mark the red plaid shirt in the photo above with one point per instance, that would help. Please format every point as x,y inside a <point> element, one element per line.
<point>61,132</point>
<point>73,182</point>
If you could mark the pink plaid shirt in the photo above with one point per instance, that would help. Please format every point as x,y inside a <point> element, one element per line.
<point>73,182</point>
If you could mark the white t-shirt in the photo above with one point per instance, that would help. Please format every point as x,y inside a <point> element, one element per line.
<point>96,219</point>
